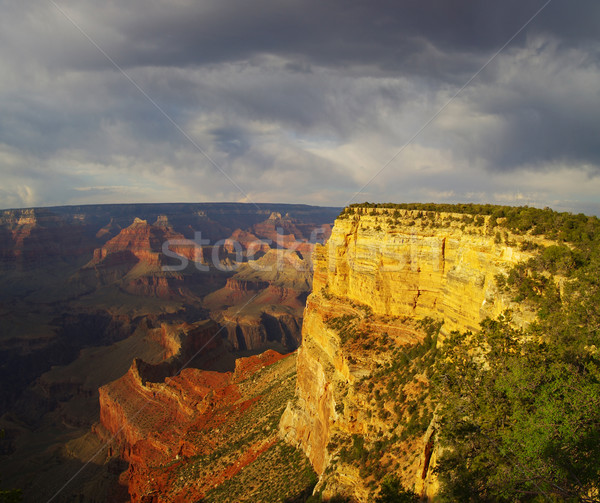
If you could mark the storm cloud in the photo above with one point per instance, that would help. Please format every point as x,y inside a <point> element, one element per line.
<point>300,101</point>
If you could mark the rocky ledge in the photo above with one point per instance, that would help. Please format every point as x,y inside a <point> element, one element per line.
<point>362,407</point>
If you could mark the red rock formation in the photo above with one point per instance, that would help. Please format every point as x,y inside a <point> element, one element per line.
<point>170,340</point>
<point>158,424</point>
<point>262,303</point>
<point>246,242</point>
<point>276,225</point>
<point>287,232</point>
<point>143,245</point>
<point>255,332</point>
<point>244,286</point>
<point>142,241</point>
<point>154,286</point>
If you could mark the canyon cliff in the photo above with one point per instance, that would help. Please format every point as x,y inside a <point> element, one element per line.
<point>83,293</point>
<point>261,305</point>
<point>205,435</point>
<point>101,346</point>
<point>381,283</point>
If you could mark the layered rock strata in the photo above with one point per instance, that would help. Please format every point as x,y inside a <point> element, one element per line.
<point>261,305</point>
<point>441,269</point>
<point>376,277</point>
<point>143,242</point>
<point>186,436</point>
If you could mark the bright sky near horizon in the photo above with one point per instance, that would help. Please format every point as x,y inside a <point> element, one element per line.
<point>300,101</point>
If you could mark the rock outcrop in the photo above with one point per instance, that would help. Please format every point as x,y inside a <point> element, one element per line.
<point>117,399</point>
<point>288,232</point>
<point>245,242</point>
<point>442,270</point>
<point>376,277</point>
<point>186,435</point>
<point>136,257</point>
<point>261,305</point>
<point>143,242</point>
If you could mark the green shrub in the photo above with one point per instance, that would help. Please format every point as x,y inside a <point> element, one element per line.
<point>392,492</point>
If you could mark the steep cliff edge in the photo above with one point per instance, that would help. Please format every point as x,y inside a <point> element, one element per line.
<point>205,435</point>
<point>362,406</point>
<point>419,266</point>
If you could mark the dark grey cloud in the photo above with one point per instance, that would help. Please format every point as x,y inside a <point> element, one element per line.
<point>299,100</point>
<point>234,141</point>
<point>387,33</point>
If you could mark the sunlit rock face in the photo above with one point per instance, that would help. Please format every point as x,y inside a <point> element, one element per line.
<point>169,428</point>
<point>398,267</point>
<point>446,270</point>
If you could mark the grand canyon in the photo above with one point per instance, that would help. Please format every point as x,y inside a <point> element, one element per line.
<point>300,251</point>
<point>282,359</point>
<point>104,307</point>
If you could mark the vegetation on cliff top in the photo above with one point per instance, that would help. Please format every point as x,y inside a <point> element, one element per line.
<point>579,229</point>
<point>520,408</point>
<point>394,396</point>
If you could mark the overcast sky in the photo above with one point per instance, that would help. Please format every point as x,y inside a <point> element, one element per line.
<point>300,101</point>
